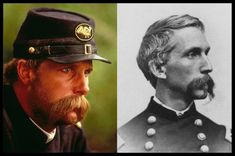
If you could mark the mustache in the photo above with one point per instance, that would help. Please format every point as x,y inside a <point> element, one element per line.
<point>211,85</point>
<point>201,82</point>
<point>68,104</point>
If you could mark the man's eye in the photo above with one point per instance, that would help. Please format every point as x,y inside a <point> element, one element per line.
<point>193,54</point>
<point>66,70</point>
<point>88,72</point>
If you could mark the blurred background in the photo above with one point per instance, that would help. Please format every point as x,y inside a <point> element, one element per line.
<point>101,122</point>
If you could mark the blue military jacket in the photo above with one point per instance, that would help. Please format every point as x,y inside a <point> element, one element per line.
<point>21,135</point>
<point>158,129</point>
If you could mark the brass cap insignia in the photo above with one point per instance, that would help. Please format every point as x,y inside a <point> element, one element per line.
<point>84,32</point>
<point>31,50</point>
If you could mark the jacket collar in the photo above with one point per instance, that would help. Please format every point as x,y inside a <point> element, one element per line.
<point>159,110</point>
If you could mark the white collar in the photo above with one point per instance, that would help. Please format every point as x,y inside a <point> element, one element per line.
<point>50,136</point>
<point>178,113</point>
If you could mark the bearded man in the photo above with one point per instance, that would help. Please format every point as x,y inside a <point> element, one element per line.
<point>47,81</point>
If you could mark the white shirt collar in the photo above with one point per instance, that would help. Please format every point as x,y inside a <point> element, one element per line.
<point>50,136</point>
<point>178,113</point>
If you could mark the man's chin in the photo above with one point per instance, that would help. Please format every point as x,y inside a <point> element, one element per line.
<point>70,118</point>
<point>200,94</point>
<point>73,117</point>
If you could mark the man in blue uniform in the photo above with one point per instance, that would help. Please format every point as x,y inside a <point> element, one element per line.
<point>173,57</point>
<point>47,79</point>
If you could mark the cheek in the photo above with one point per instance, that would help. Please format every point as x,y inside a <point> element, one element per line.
<point>53,88</point>
<point>179,73</point>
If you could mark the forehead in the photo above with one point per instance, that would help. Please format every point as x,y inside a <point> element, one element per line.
<point>81,64</point>
<point>189,37</point>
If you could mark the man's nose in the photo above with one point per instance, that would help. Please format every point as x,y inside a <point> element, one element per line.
<point>206,66</point>
<point>81,85</point>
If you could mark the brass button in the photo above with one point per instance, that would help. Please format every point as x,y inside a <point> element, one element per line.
<point>201,136</point>
<point>151,119</point>
<point>204,148</point>
<point>31,50</point>
<point>148,145</point>
<point>198,122</point>
<point>151,132</point>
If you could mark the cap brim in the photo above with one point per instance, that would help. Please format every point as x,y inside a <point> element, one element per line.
<point>77,58</point>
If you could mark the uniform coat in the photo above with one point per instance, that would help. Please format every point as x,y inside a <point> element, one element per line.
<point>158,129</point>
<point>21,135</point>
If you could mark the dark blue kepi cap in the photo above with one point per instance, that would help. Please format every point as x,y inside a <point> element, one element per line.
<point>61,36</point>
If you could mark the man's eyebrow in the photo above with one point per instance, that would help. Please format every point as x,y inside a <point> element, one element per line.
<point>199,49</point>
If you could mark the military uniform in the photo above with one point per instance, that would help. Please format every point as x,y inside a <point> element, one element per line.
<point>158,129</point>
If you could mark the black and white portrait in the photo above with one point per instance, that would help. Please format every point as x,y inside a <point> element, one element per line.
<point>174,78</point>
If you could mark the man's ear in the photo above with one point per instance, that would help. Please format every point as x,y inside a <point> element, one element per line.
<point>25,73</point>
<point>159,72</point>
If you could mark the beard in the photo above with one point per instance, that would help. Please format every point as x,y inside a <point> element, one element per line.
<point>66,111</point>
<point>69,110</point>
<point>200,88</point>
